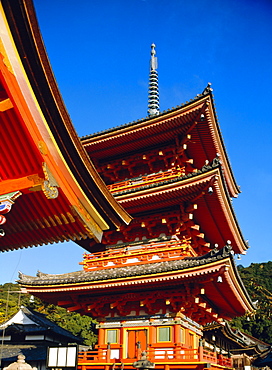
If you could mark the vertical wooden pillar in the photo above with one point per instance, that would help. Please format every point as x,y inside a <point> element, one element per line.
<point>101,341</point>
<point>108,353</point>
<point>200,350</point>
<point>101,337</point>
<point>176,334</point>
<point>152,335</point>
<point>123,345</point>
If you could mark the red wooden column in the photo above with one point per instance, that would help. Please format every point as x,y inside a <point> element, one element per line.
<point>176,333</point>
<point>101,342</point>
<point>200,350</point>
<point>176,339</point>
<point>123,345</point>
<point>152,334</point>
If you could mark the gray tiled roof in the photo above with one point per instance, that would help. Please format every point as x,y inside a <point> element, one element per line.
<point>43,325</point>
<point>126,271</point>
<point>206,168</point>
<point>31,352</point>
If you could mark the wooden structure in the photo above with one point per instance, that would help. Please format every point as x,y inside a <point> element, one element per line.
<point>49,189</point>
<point>172,174</point>
<point>244,349</point>
<point>153,284</point>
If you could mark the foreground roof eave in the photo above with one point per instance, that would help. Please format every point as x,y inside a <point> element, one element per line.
<point>21,18</point>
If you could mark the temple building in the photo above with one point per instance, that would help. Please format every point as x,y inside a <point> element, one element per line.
<point>154,284</point>
<point>29,333</point>
<point>149,201</point>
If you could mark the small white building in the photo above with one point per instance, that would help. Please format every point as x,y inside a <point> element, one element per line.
<point>29,333</point>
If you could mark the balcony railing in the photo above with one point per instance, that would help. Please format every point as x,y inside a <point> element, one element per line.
<point>152,252</point>
<point>146,179</point>
<point>156,355</point>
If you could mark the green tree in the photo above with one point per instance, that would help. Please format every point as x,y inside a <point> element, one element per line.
<point>10,300</point>
<point>257,279</point>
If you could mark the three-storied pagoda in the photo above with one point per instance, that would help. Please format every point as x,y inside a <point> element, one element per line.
<point>153,284</point>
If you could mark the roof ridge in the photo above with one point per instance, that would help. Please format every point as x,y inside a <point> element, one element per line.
<point>127,271</point>
<point>206,168</point>
<point>207,91</point>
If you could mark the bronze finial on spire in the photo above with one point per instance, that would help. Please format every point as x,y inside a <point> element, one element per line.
<point>153,91</point>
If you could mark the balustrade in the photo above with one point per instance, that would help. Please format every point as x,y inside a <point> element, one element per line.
<point>141,180</point>
<point>163,250</point>
<point>157,355</point>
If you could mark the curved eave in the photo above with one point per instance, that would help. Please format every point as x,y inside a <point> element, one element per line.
<point>220,213</point>
<point>242,341</point>
<point>206,142</point>
<point>215,213</point>
<point>229,296</point>
<point>46,119</point>
<point>220,148</point>
<point>236,285</point>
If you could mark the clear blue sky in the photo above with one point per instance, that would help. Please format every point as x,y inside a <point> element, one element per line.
<point>99,51</point>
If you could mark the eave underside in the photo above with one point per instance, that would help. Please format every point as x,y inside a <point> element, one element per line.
<point>35,221</point>
<point>214,211</point>
<point>226,296</point>
<point>37,130</point>
<point>197,118</point>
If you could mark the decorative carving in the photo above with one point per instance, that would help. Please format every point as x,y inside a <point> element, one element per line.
<point>207,89</point>
<point>2,220</point>
<point>6,202</point>
<point>5,57</point>
<point>37,182</point>
<point>49,186</point>
<point>170,302</point>
<point>92,228</point>
<point>42,147</point>
<point>41,274</point>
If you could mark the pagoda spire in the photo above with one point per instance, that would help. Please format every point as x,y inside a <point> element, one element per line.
<point>153,91</point>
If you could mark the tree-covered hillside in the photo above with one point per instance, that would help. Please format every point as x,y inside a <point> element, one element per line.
<point>257,278</point>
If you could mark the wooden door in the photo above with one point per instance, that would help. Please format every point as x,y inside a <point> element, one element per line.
<point>135,338</point>
<point>191,340</point>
